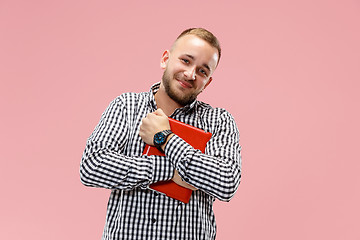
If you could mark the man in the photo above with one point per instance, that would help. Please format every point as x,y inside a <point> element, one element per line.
<point>113,155</point>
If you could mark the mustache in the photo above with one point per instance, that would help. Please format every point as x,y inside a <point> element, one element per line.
<point>183,78</point>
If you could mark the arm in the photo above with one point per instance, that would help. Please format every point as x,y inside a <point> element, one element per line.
<point>104,165</point>
<point>218,171</point>
<point>153,123</point>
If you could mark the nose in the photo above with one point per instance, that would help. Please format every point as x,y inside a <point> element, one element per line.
<point>190,73</point>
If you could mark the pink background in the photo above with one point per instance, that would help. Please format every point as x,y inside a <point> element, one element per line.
<point>289,75</point>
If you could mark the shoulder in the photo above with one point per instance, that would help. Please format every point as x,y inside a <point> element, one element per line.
<point>209,112</point>
<point>130,98</point>
<point>215,118</point>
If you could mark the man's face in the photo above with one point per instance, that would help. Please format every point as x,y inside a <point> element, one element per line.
<point>188,68</point>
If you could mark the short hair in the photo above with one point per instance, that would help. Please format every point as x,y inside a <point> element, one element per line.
<point>205,35</point>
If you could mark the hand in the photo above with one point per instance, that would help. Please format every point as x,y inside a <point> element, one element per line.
<point>153,123</point>
<point>177,179</point>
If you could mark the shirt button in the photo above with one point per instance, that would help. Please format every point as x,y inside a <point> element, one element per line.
<point>153,220</point>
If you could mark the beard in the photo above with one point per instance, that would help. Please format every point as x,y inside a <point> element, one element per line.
<point>182,100</point>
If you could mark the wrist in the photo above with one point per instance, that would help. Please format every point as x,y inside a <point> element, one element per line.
<point>167,139</point>
<point>161,138</point>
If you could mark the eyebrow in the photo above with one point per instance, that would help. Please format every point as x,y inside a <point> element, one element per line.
<point>204,65</point>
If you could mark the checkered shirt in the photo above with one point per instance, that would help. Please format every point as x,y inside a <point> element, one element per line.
<point>113,159</point>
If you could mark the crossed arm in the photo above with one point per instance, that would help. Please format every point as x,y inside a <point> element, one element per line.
<point>153,123</point>
<point>217,172</point>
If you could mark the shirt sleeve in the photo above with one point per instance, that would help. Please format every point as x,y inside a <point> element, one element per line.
<point>218,171</point>
<point>104,165</point>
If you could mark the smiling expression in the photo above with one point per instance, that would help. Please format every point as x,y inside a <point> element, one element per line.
<point>188,68</point>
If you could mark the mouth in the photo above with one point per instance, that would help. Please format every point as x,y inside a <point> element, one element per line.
<point>184,83</point>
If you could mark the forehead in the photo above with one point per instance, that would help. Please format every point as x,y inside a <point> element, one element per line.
<point>196,47</point>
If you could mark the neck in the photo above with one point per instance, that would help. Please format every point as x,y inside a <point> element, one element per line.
<point>164,102</point>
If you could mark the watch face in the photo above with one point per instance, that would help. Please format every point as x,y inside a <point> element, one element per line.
<point>159,138</point>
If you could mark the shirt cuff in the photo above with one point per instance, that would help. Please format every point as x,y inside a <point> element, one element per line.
<point>177,149</point>
<point>162,169</point>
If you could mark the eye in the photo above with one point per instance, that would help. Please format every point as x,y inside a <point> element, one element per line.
<point>185,61</point>
<point>203,72</point>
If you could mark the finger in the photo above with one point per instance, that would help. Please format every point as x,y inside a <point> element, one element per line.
<point>149,115</point>
<point>144,120</point>
<point>160,112</point>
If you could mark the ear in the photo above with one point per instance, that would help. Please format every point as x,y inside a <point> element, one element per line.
<point>208,83</point>
<point>164,59</point>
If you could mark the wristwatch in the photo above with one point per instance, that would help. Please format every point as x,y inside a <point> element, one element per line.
<point>160,138</point>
